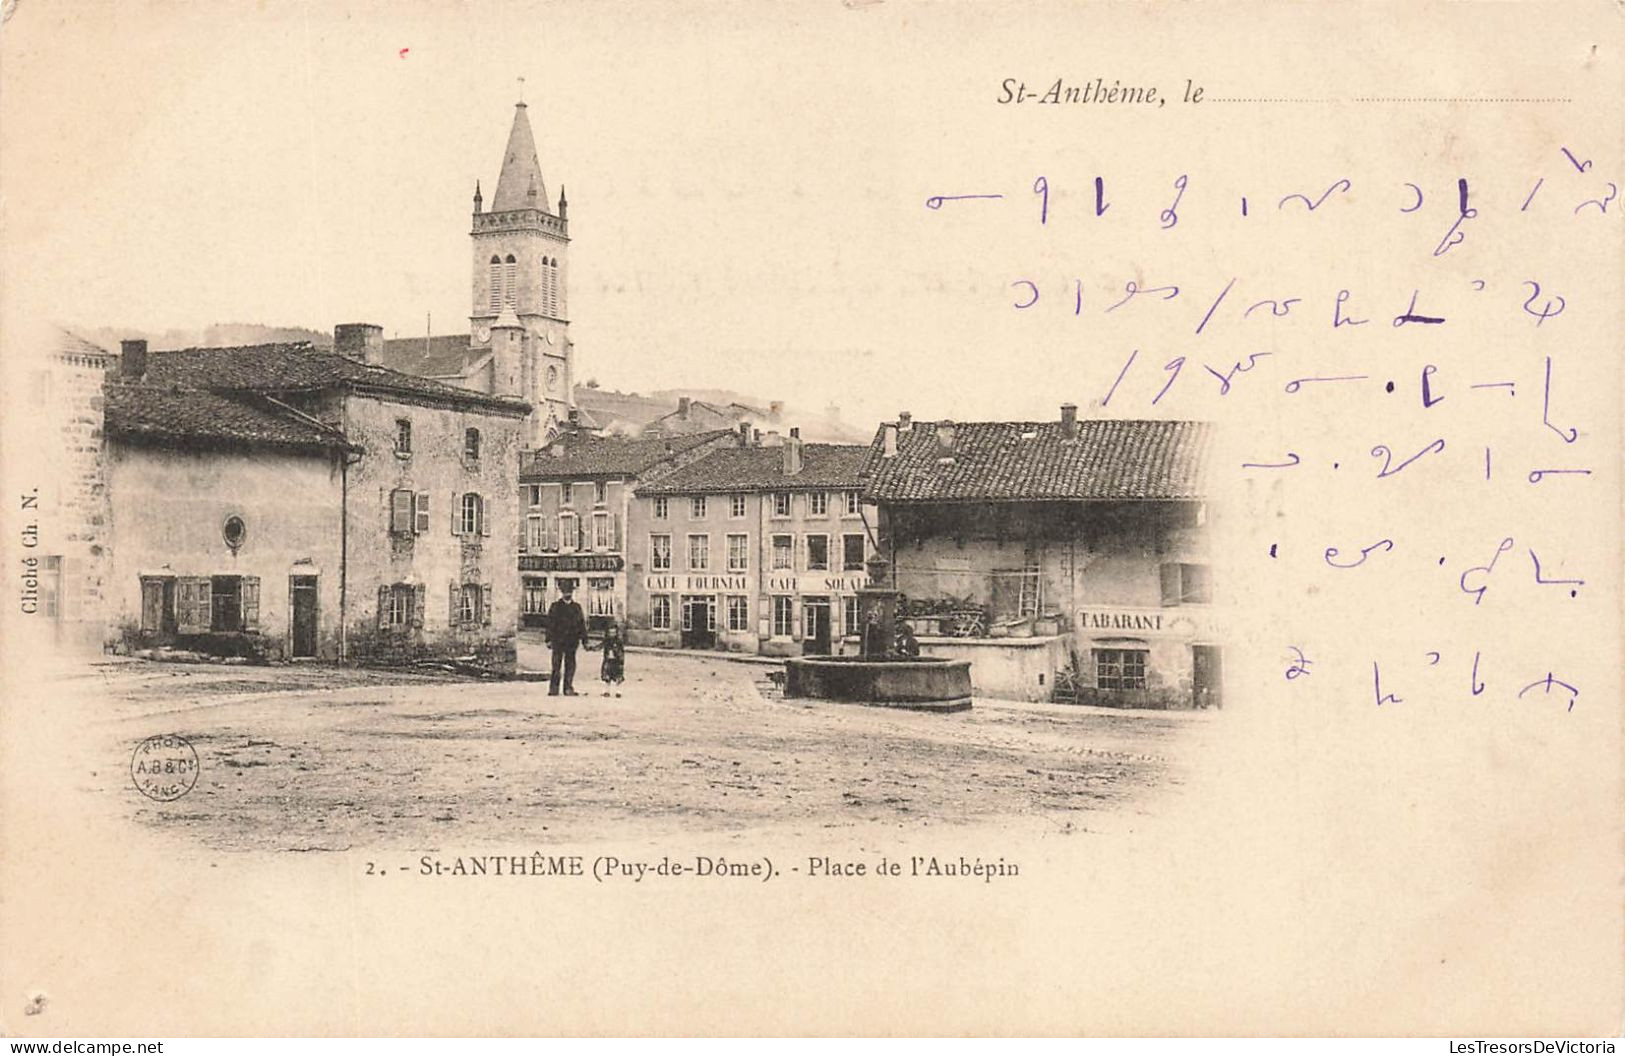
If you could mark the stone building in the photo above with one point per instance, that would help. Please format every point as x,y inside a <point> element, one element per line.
<point>1031,548</point>
<point>576,496</point>
<point>286,501</point>
<point>57,468</point>
<point>752,548</point>
<point>518,342</point>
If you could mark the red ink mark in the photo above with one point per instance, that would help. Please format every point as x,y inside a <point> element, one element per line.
<point>404,51</point>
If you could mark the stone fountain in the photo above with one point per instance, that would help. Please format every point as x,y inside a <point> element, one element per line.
<point>882,675</point>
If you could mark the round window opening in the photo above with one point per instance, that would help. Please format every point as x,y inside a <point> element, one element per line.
<point>235,531</point>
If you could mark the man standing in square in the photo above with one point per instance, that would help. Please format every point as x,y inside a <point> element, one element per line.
<point>566,630</point>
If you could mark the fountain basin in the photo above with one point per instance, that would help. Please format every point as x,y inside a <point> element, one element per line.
<point>914,683</point>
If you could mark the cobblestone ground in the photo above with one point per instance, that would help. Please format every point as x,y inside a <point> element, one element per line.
<point>309,758</point>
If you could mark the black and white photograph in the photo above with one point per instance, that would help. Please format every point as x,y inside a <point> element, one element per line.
<point>851,518</point>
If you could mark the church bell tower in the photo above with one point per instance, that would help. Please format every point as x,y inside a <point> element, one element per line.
<point>521,248</point>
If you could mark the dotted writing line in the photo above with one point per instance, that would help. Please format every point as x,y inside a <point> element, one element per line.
<point>1397,99</point>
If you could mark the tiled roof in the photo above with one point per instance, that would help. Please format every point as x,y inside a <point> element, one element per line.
<point>293,367</point>
<point>580,454</point>
<point>177,415</point>
<point>442,356</point>
<point>1033,461</point>
<point>71,344</point>
<point>730,469</point>
<point>701,416</point>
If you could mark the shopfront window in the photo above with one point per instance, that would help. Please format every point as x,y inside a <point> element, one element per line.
<point>1120,668</point>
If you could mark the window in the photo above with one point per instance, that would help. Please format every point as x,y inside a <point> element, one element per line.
<point>509,286</point>
<point>602,537</point>
<point>851,504</point>
<point>699,553</point>
<point>661,508</point>
<point>817,553</point>
<point>569,532</point>
<point>781,504</point>
<point>601,596</point>
<point>533,601</point>
<point>533,494</point>
<point>696,507</point>
<point>471,444</point>
<point>783,551</point>
<point>738,612</point>
<point>496,284</point>
<point>818,503</point>
<point>736,506</point>
<point>403,436</point>
<point>738,553</point>
<point>400,512</point>
<point>469,608</point>
<point>600,493</point>
<point>852,553</point>
<point>659,553</point>
<point>471,519</point>
<point>783,609</point>
<point>400,606</point>
<point>534,534</point>
<point>234,532</point>
<point>1187,584</point>
<point>660,612</point>
<point>1120,668</point>
<point>567,494</point>
<point>851,616</point>
<point>408,512</point>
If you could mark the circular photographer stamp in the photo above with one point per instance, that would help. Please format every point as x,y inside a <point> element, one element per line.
<point>164,767</point>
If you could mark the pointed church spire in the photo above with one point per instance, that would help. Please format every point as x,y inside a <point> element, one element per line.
<point>478,198</point>
<point>521,171</point>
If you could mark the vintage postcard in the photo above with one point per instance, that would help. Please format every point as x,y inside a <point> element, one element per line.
<point>866,517</point>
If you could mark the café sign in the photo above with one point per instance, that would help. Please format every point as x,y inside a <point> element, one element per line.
<point>815,583</point>
<point>570,562</point>
<point>698,583</point>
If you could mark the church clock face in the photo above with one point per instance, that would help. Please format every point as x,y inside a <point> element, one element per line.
<point>484,334</point>
<point>553,379</point>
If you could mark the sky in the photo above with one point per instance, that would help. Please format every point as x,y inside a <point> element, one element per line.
<point>746,182</point>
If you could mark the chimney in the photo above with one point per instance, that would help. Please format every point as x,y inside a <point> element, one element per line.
<point>905,421</point>
<point>775,409</point>
<point>755,437</point>
<point>771,438</point>
<point>1069,420</point>
<point>945,438</point>
<point>362,342</point>
<point>132,363</point>
<point>683,404</point>
<point>888,440</point>
<point>744,434</point>
<point>575,417</point>
<point>792,453</point>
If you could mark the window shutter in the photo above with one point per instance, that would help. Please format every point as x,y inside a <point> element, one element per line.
<point>421,508</point>
<point>420,598</point>
<point>400,510</point>
<point>484,521</point>
<point>1170,584</point>
<point>383,607</point>
<point>456,514</point>
<point>485,604</point>
<point>455,612</point>
<point>192,604</point>
<point>251,603</point>
<point>618,543</point>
